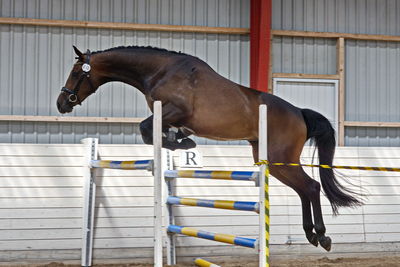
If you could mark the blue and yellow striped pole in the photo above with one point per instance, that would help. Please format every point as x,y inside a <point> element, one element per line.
<point>203,263</point>
<point>125,165</point>
<point>218,204</point>
<point>224,238</point>
<point>222,175</point>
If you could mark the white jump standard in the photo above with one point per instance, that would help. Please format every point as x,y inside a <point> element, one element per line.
<point>261,207</point>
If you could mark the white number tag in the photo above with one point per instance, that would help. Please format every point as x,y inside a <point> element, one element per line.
<point>86,67</point>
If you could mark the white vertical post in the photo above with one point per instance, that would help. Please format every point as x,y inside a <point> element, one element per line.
<point>89,197</point>
<point>263,186</point>
<point>158,177</point>
<point>170,217</point>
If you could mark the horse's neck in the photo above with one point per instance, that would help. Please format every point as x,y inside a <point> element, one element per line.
<point>136,69</point>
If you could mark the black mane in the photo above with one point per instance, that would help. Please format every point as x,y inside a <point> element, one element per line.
<point>135,48</point>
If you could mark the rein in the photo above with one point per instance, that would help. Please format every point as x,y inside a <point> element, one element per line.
<point>73,94</point>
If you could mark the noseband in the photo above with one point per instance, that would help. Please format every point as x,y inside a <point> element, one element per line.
<point>73,94</point>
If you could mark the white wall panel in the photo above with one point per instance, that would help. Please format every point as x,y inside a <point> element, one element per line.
<point>41,200</point>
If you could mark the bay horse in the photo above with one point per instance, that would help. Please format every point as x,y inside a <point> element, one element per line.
<point>197,100</point>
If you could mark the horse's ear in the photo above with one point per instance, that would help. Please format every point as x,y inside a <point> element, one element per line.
<point>78,53</point>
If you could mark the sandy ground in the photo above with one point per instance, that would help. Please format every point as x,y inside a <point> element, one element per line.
<point>389,261</point>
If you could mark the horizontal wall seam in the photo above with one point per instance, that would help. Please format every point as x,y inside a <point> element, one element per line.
<point>122,26</point>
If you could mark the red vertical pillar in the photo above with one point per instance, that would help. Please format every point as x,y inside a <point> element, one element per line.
<point>260,40</point>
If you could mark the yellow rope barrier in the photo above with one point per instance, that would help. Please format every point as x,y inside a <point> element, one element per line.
<point>364,168</point>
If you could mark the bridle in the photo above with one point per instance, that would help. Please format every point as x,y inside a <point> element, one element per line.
<point>73,94</point>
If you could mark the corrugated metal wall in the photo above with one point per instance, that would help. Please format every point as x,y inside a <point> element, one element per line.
<point>303,55</point>
<point>372,91</point>
<point>371,71</point>
<point>39,60</point>
<point>351,16</point>
<point>221,13</point>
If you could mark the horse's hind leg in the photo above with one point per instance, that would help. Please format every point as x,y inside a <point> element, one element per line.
<point>287,175</point>
<point>319,226</point>
<point>308,225</point>
<point>309,192</point>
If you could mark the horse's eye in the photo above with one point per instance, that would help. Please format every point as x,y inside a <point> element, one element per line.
<point>74,74</point>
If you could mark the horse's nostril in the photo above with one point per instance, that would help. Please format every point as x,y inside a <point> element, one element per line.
<point>58,106</point>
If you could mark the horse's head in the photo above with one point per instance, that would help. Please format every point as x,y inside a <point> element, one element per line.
<point>81,83</point>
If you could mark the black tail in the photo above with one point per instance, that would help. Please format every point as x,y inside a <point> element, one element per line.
<point>320,130</point>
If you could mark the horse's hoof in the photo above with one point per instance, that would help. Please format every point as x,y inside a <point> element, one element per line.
<point>313,239</point>
<point>325,242</point>
<point>172,148</point>
<point>187,143</point>
<point>169,145</point>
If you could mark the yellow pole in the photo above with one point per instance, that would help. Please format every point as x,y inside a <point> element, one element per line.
<point>203,263</point>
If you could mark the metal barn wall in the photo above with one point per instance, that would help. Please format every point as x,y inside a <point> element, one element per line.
<point>371,68</point>
<point>303,55</point>
<point>35,61</point>
<point>350,16</point>
<point>221,13</point>
<point>373,91</point>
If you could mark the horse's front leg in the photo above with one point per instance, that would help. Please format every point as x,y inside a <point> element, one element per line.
<point>170,115</point>
<point>146,129</point>
<point>173,135</point>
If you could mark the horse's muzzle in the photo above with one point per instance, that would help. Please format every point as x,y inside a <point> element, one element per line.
<point>63,105</point>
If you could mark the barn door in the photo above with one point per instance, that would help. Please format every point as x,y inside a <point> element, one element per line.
<point>319,95</point>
